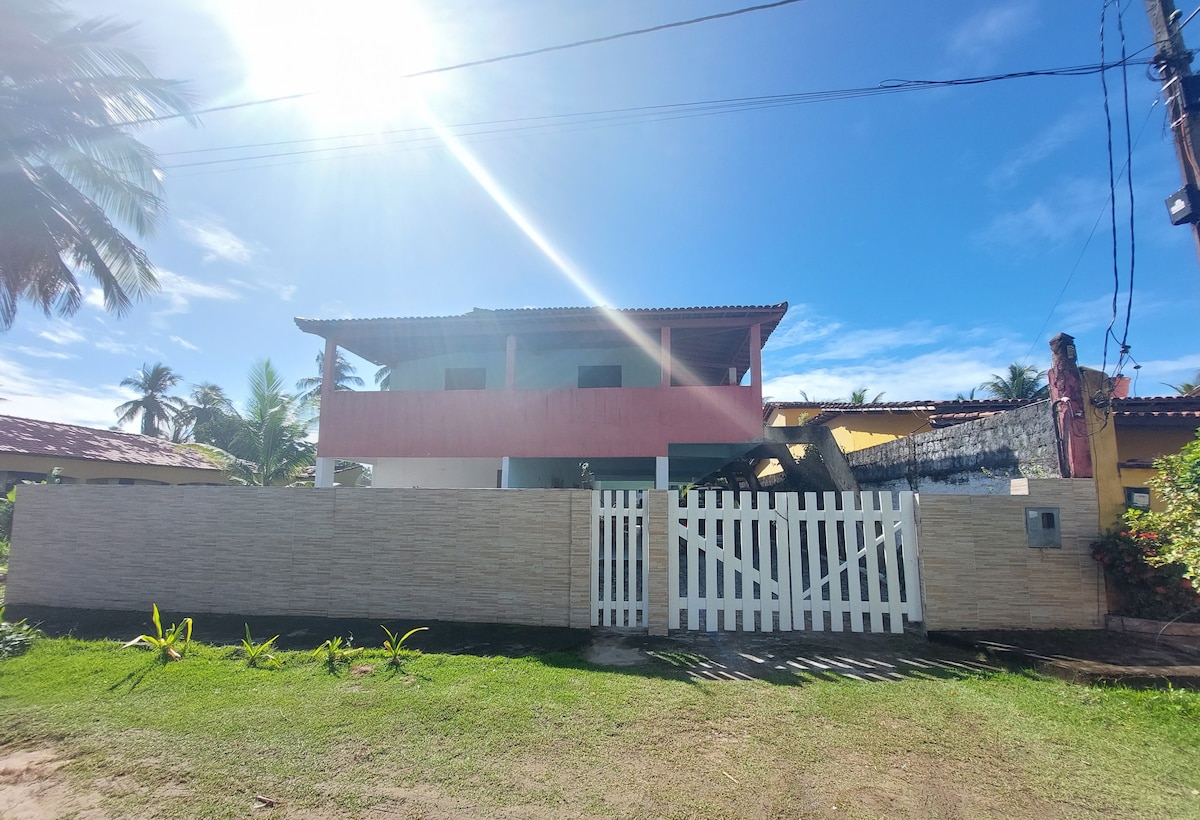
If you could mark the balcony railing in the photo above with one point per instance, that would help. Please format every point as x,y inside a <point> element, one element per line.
<point>598,422</point>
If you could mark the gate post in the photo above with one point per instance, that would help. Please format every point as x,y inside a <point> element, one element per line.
<point>658,590</point>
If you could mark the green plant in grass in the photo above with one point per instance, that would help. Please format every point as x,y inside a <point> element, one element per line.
<point>179,635</point>
<point>394,645</point>
<point>333,654</point>
<point>259,654</point>
<point>16,636</point>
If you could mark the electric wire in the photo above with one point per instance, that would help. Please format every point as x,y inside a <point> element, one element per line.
<point>629,115</point>
<point>503,57</point>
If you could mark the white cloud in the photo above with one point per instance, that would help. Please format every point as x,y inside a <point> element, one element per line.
<point>62,334</point>
<point>284,291</point>
<point>218,241</point>
<point>184,343</point>
<point>1155,376</point>
<point>111,346</point>
<point>95,298</point>
<point>1068,212</point>
<point>1060,133</point>
<point>38,353</point>
<point>32,395</point>
<point>980,36</point>
<point>939,374</point>
<point>180,290</point>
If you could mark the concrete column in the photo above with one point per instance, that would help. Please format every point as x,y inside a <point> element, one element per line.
<point>504,473</point>
<point>657,543</point>
<point>665,356</point>
<point>756,359</point>
<point>510,363</point>
<point>324,473</point>
<point>662,472</point>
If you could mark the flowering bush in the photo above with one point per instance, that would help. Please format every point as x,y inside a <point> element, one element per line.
<point>1148,586</point>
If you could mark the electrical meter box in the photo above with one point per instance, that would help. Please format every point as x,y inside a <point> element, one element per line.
<point>1043,527</point>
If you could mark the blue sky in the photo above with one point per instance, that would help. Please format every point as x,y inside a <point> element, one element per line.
<point>924,239</point>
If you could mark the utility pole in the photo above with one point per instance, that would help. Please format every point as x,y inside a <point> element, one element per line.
<point>1181,89</point>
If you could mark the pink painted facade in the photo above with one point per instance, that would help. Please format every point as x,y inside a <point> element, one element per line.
<point>596,423</point>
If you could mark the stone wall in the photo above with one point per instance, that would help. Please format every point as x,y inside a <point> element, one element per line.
<point>518,557</point>
<point>979,572</point>
<point>976,457</point>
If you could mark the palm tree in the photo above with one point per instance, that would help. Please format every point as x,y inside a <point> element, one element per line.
<point>967,397</point>
<point>206,418</point>
<point>68,164</point>
<point>1187,388</point>
<point>383,377</point>
<point>1021,382</point>
<point>859,396</point>
<point>156,408</point>
<point>271,446</point>
<point>344,378</point>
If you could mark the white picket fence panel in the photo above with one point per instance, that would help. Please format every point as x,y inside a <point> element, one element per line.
<point>619,566</point>
<point>786,561</point>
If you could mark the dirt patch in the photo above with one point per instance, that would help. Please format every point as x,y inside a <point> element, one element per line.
<point>31,788</point>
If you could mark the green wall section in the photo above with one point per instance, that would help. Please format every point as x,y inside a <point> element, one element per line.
<point>536,369</point>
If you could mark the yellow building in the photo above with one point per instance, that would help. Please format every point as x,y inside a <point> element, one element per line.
<point>29,449</point>
<point>859,426</point>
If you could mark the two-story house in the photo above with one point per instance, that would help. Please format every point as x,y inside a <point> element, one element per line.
<point>548,397</point>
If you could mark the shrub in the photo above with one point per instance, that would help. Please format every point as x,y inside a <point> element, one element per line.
<point>15,636</point>
<point>166,641</point>
<point>1149,587</point>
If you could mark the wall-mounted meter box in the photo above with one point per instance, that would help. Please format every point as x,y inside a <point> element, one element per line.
<point>1043,527</point>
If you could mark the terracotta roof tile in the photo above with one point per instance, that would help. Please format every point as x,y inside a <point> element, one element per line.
<point>45,438</point>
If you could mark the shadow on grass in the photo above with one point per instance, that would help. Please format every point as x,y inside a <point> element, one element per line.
<point>135,677</point>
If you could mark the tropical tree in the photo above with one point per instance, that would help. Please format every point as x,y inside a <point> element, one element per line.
<point>271,446</point>
<point>69,100</point>
<point>344,378</point>
<point>157,409</point>
<point>1020,382</point>
<point>967,396</point>
<point>383,377</point>
<point>1187,388</point>
<point>859,396</point>
<point>207,417</point>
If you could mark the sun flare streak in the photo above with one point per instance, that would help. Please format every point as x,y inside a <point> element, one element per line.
<point>573,274</point>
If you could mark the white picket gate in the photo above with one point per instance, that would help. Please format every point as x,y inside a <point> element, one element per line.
<point>619,565</point>
<point>767,561</point>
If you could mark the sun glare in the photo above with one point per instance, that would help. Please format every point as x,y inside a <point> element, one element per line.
<point>350,58</point>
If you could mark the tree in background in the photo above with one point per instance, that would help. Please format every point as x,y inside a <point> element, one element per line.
<point>1176,529</point>
<point>1187,388</point>
<point>1021,382</point>
<point>383,377</point>
<point>344,378</point>
<point>271,446</point>
<point>69,99</point>
<point>157,409</point>
<point>859,396</point>
<point>207,418</point>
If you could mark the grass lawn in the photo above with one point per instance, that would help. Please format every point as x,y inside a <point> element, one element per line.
<point>89,728</point>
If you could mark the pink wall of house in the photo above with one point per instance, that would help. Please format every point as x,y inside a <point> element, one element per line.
<point>592,423</point>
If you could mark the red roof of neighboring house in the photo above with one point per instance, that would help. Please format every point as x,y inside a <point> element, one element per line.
<point>1157,411</point>
<point>46,438</point>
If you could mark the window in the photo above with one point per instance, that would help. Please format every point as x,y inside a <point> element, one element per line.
<point>1137,498</point>
<point>599,375</point>
<point>466,378</point>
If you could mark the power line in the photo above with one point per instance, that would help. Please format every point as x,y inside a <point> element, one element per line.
<point>503,57</point>
<point>649,113</point>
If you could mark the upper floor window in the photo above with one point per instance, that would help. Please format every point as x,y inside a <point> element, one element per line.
<point>599,375</point>
<point>466,378</point>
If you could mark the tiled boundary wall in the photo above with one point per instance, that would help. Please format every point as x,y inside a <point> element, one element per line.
<point>493,556</point>
<point>979,572</point>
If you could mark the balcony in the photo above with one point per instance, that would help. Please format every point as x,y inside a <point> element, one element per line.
<point>563,423</point>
